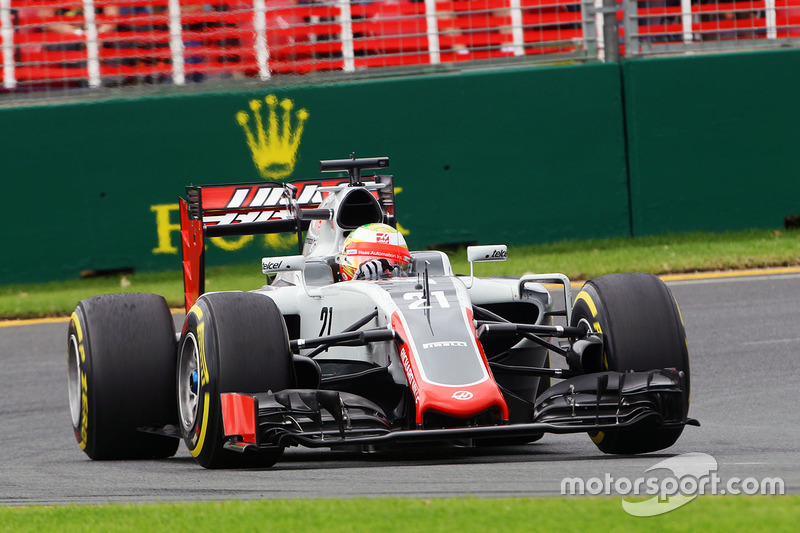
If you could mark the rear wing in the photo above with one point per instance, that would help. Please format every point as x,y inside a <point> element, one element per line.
<point>264,207</point>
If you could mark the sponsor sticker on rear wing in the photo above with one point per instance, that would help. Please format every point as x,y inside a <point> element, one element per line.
<point>259,202</point>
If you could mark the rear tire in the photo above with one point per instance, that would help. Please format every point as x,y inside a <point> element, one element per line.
<point>642,330</point>
<point>121,374</point>
<point>231,342</point>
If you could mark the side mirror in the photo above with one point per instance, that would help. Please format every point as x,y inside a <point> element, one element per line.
<point>490,252</point>
<point>484,254</point>
<point>288,263</point>
<point>285,263</point>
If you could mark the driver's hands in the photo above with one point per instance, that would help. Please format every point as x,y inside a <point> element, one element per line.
<point>371,270</point>
<point>398,272</point>
<point>378,269</point>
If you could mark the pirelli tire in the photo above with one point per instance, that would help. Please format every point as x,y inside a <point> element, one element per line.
<point>642,330</point>
<point>121,375</point>
<point>230,342</point>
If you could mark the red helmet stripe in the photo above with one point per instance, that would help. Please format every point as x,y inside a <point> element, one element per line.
<point>374,250</point>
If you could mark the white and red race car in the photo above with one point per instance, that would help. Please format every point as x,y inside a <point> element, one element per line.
<point>310,360</point>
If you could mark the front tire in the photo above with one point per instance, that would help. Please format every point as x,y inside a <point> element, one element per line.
<point>121,374</point>
<point>230,342</point>
<point>642,330</point>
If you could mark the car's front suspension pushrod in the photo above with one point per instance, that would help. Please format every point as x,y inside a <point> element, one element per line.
<point>507,328</point>
<point>354,338</point>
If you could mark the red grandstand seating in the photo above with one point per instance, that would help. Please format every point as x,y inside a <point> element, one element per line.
<point>660,21</point>
<point>787,14</point>
<point>304,39</point>
<point>391,33</point>
<point>730,20</point>
<point>45,55</point>
<point>218,38</point>
<point>711,20</point>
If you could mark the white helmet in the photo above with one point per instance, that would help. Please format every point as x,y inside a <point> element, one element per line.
<point>373,241</point>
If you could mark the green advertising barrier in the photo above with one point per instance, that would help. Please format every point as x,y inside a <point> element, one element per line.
<point>713,141</point>
<point>514,157</point>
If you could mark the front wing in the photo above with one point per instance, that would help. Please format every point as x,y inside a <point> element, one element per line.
<point>315,418</point>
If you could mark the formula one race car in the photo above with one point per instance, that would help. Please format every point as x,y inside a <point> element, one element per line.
<point>413,355</point>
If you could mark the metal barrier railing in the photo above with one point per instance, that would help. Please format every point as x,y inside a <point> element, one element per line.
<point>51,45</point>
<point>680,26</point>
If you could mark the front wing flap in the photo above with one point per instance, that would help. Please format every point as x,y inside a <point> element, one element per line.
<point>612,398</point>
<point>311,417</point>
<point>321,418</point>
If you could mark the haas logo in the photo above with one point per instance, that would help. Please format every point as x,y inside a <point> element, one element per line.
<point>382,238</point>
<point>462,395</point>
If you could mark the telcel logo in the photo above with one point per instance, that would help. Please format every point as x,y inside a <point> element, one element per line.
<point>462,395</point>
<point>269,265</point>
<point>499,254</point>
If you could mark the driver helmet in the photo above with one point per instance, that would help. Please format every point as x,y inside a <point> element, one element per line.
<point>373,241</point>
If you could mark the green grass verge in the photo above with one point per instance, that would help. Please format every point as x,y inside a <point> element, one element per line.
<point>387,515</point>
<point>666,254</point>
<point>693,252</point>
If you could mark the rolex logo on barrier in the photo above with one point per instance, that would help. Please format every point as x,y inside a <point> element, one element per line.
<point>274,149</point>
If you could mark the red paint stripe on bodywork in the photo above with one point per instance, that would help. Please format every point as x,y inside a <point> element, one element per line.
<point>456,401</point>
<point>239,416</point>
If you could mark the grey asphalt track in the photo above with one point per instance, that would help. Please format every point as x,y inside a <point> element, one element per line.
<point>744,337</point>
